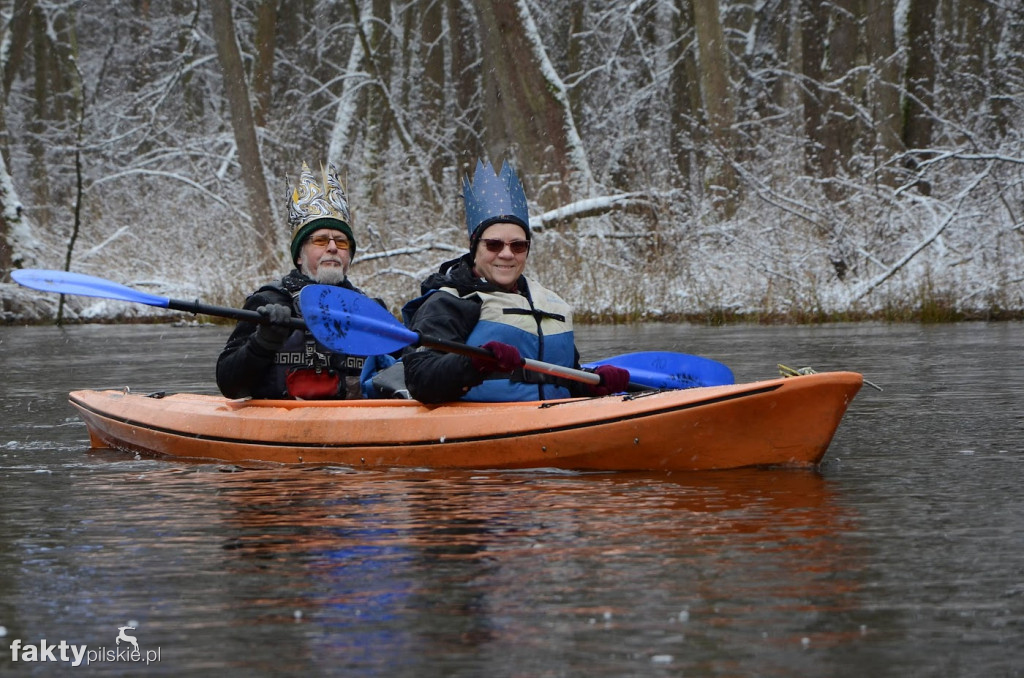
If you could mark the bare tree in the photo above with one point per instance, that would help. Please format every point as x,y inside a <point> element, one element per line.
<point>884,86</point>
<point>263,68</point>
<point>427,25</point>
<point>15,34</point>
<point>829,39</point>
<point>686,109</point>
<point>525,99</point>
<point>37,126</point>
<point>243,122</point>
<point>919,118</point>
<point>716,95</point>
<point>15,243</point>
<point>462,98</point>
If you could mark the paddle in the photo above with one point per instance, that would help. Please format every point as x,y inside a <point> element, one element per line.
<point>63,282</point>
<point>340,319</point>
<point>665,370</point>
<point>348,322</point>
<point>654,369</point>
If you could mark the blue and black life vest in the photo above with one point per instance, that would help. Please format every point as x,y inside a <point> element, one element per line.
<point>539,325</point>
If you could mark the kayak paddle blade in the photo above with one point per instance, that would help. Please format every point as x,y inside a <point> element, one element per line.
<point>65,282</point>
<point>349,322</point>
<point>670,371</point>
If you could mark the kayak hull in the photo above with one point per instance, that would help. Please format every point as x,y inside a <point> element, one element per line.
<point>776,422</point>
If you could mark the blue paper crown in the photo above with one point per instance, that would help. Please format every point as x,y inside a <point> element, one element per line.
<point>494,197</point>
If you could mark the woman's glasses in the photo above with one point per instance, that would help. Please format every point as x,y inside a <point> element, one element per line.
<point>494,245</point>
<point>340,241</point>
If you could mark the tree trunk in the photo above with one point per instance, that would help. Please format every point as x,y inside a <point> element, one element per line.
<point>841,127</point>
<point>685,96</point>
<point>465,87</point>
<point>829,36</point>
<point>575,47</point>
<point>37,126</point>
<point>243,123</point>
<point>718,107</point>
<point>348,101</point>
<point>19,31</point>
<point>18,247</point>
<point>885,87</point>
<point>920,76</point>
<point>263,70</point>
<point>774,50</point>
<point>433,30</point>
<point>376,108</point>
<point>526,111</point>
<point>192,96</point>
<point>1008,61</point>
<point>68,60</point>
<point>813,23</point>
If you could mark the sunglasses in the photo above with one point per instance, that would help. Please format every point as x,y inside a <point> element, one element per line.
<point>340,241</point>
<point>495,245</point>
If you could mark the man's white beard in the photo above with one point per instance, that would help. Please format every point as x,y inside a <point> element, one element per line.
<point>325,275</point>
<point>329,275</point>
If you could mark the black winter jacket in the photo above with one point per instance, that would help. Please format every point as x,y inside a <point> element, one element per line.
<point>246,366</point>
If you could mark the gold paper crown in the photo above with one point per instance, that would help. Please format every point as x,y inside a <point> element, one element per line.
<point>311,201</point>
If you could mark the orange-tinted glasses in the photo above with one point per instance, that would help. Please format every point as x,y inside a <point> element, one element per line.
<point>340,241</point>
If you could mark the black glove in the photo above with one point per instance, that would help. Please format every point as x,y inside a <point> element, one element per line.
<point>273,335</point>
<point>506,358</point>
<point>613,380</point>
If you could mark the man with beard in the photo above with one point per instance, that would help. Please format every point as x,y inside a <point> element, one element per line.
<point>273,360</point>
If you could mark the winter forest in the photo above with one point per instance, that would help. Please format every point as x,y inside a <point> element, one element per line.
<point>767,160</point>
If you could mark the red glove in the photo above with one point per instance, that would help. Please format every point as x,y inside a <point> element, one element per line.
<point>506,358</point>
<point>613,380</point>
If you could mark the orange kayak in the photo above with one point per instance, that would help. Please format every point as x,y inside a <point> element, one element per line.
<point>787,422</point>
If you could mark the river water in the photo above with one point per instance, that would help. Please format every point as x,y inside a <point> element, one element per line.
<point>903,556</point>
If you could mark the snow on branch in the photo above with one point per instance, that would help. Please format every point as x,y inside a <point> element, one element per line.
<point>589,207</point>
<point>398,251</point>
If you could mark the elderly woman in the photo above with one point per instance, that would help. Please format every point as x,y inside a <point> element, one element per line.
<point>483,299</point>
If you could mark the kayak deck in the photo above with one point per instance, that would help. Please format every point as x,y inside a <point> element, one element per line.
<point>775,422</point>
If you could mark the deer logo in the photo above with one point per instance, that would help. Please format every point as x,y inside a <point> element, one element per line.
<point>121,635</point>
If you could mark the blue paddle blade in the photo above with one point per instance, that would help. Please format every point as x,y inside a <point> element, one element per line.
<point>349,322</point>
<point>65,282</point>
<point>667,370</point>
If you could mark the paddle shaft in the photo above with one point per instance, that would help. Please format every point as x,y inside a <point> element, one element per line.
<point>228,312</point>
<point>528,363</point>
<point>429,342</point>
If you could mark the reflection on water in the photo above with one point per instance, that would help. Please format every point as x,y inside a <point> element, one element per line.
<point>530,570</point>
<point>902,557</point>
